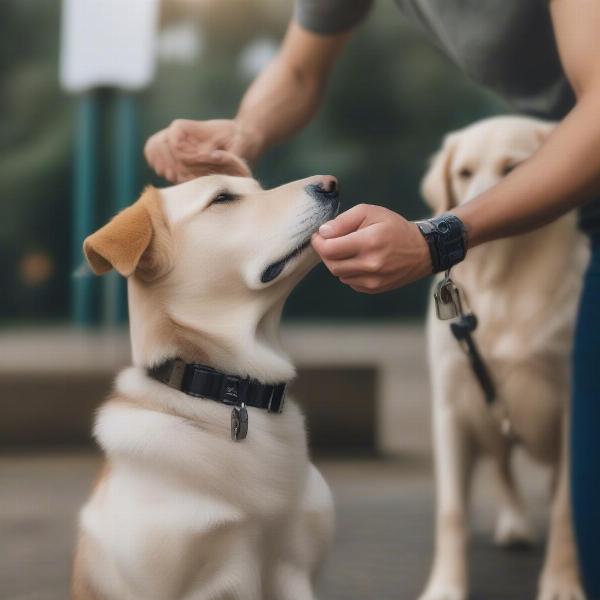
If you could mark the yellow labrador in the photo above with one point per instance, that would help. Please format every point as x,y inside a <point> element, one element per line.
<point>524,291</point>
<point>181,511</point>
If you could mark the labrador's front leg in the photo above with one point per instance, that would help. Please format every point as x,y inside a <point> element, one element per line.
<point>453,464</point>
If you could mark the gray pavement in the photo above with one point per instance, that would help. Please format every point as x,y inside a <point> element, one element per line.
<point>383,540</point>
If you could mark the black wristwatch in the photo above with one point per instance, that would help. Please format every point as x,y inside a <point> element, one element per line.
<point>446,236</point>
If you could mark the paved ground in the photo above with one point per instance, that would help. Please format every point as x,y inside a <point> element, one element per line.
<point>383,543</point>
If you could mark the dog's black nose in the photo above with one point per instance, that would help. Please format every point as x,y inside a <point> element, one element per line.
<point>328,184</point>
<point>326,187</point>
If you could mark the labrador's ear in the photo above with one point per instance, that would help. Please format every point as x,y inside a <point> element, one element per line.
<point>127,241</point>
<point>436,187</point>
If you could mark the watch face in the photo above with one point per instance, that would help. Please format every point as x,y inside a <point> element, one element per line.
<point>443,227</point>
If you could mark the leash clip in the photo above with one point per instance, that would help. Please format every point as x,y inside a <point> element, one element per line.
<point>446,295</point>
<point>449,306</point>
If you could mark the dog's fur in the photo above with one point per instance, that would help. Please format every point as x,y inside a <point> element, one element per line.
<point>524,291</point>
<point>180,511</point>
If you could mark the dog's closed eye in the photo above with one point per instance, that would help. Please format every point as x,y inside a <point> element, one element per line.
<point>224,198</point>
<point>508,168</point>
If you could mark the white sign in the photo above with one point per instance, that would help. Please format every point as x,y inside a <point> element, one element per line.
<point>108,43</point>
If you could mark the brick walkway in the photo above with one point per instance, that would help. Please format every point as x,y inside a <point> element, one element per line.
<point>383,543</point>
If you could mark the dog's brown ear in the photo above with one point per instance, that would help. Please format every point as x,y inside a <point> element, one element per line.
<point>436,187</point>
<point>123,241</point>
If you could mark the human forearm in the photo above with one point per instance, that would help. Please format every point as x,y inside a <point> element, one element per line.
<point>287,94</point>
<point>277,105</point>
<point>565,172</point>
<point>562,175</point>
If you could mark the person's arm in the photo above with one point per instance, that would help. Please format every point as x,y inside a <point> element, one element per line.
<point>279,103</point>
<point>373,249</point>
<point>565,172</point>
<point>284,98</point>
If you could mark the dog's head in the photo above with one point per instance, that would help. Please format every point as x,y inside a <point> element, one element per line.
<point>476,158</point>
<point>211,257</point>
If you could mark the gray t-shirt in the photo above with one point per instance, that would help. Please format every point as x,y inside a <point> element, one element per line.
<point>506,45</point>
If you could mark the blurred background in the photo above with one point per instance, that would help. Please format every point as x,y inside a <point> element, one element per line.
<point>375,133</point>
<point>69,160</point>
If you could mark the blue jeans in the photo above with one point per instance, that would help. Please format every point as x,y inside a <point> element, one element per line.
<point>585,428</point>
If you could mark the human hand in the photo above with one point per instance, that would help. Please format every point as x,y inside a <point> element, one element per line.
<point>187,149</point>
<point>373,249</point>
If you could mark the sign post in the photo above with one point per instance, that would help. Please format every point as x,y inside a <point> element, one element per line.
<point>105,44</point>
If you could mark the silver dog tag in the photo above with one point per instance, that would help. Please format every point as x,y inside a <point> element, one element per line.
<point>447,299</point>
<point>239,423</point>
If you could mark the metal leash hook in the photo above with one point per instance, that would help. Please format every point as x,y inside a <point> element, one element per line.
<point>448,304</point>
<point>447,299</point>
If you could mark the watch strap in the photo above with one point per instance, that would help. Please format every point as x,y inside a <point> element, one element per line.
<point>446,237</point>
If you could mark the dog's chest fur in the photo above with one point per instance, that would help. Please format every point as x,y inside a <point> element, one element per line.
<point>176,482</point>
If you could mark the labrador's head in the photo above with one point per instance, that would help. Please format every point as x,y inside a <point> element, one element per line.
<point>476,158</point>
<point>214,254</point>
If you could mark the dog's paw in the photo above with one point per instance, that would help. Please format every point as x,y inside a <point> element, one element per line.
<point>443,591</point>
<point>513,529</point>
<point>560,587</point>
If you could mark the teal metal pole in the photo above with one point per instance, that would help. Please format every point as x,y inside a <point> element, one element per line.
<point>125,144</point>
<point>84,205</point>
<point>126,151</point>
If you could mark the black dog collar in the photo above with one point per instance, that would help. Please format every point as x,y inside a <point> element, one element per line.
<point>202,381</point>
<point>446,237</point>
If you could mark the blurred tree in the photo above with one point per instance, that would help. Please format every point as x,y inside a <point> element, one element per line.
<point>34,161</point>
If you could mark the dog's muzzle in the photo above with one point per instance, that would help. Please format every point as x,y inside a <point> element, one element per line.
<point>326,193</point>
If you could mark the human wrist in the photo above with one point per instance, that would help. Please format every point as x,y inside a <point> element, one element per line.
<point>251,139</point>
<point>446,237</point>
<point>423,261</point>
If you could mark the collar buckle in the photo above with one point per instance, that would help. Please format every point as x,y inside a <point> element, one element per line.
<point>234,390</point>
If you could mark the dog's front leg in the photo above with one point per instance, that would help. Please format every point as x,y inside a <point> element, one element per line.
<point>453,464</point>
<point>560,575</point>
<point>512,527</point>
<point>303,542</point>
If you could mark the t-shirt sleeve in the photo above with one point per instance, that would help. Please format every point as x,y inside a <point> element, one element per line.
<point>330,16</point>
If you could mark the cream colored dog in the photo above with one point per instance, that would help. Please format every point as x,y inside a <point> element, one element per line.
<point>524,291</point>
<point>181,511</point>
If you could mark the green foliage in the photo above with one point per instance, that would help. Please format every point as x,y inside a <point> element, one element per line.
<point>34,160</point>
